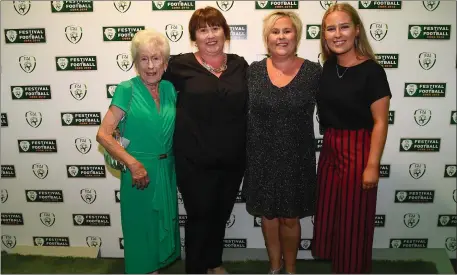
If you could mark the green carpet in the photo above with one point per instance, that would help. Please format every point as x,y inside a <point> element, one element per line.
<point>14,264</point>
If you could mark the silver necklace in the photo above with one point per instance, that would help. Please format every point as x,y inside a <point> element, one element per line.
<point>337,72</point>
<point>222,68</point>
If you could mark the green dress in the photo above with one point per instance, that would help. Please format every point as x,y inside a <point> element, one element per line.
<point>149,217</point>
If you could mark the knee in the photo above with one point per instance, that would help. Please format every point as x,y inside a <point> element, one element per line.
<point>290,223</point>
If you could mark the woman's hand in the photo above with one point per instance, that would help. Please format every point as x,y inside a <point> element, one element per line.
<point>370,177</point>
<point>140,176</point>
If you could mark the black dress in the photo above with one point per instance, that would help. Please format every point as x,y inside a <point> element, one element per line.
<point>210,148</point>
<point>280,178</point>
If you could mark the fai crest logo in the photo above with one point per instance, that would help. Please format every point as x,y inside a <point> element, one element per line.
<point>422,116</point>
<point>88,195</point>
<point>411,89</point>
<point>58,5</point>
<point>40,170</point>
<point>159,4</point>
<point>326,4</point>
<point>39,241</point>
<point>9,241</point>
<point>411,219</point>
<point>415,31</point>
<point>83,145</point>
<point>18,92</point>
<point>33,118</point>
<point>427,60</point>
<point>124,62</point>
<point>93,241</point>
<point>62,62</point>
<point>230,221</point>
<point>365,4</point>
<point>25,145</point>
<point>73,33</point>
<point>451,244</point>
<point>417,170</point>
<point>450,170</point>
<point>110,33</point>
<point>47,218</point>
<point>378,31</point>
<point>32,195</point>
<point>78,91</point>
<point>79,219</point>
<point>431,5</point>
<point>262,4</point>
<point>3,195</point>
<point>122,6</point>
<point>305,244</point>
<point>174,32</point>
<point>27,63</point>
<point>407,144</point>
<point>73,170</point>
<point>67,118</point>
<point>313,31</point>
<point>395,243</point>
<point>225,5</point>
<point>11,35</point>
<point>401,195</point>
<point>22,7</point>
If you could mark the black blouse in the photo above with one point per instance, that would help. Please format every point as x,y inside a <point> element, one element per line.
<point>344,103</point>
<point>210,125</point>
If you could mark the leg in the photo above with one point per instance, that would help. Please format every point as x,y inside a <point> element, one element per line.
<point>290,232</point>
<point>358,207</point>
<point>198,190</point>
<point>327,188</point>
<point>270,230</point>
<point>228,186</point>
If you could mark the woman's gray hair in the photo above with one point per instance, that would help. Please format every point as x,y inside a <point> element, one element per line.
<point>153,38</point>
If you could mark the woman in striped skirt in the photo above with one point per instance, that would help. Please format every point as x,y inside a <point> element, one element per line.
<point>353,104</point>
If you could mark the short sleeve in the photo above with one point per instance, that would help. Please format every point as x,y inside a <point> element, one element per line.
<point>378,85</point>
<point>122,96</point>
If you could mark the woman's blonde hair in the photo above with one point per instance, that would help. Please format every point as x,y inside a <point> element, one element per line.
<point>362,45</point>
<point>270,20</point>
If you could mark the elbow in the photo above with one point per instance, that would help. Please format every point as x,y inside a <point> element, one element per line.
<point>100,137</point>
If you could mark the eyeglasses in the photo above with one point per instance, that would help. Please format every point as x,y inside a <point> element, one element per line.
<point>156,61</point>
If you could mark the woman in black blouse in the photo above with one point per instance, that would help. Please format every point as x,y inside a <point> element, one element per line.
<point>353,104</point>
<point>209,139</point>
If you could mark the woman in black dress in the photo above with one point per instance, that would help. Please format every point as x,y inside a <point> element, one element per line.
<point>209,140</point>
<point>280,179</point>
<point>353,104</point>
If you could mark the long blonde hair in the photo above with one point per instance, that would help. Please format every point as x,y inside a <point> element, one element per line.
<point>362,45</point>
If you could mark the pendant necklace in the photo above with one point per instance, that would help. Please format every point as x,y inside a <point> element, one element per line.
<point>222,68</point>
<point>337,72</point>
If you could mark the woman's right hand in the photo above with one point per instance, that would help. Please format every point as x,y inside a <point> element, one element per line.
<point>140,176</point>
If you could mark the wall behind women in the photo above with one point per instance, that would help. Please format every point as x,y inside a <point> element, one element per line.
<point>61,61</point>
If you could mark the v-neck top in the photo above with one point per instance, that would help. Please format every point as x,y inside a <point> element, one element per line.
<point>211,111</point>
<point>149,130</point>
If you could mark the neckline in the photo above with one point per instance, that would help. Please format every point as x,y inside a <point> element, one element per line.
<point>160,89</point>
<point>194,58</point>
<point>290,82</point>
<point>353,66</point>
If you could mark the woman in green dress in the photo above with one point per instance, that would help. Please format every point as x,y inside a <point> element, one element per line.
<point>149,208</point>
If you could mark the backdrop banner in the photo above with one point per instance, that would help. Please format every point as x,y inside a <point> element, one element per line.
<point>61,62</point>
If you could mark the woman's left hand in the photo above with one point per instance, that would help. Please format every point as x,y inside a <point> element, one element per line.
<point>370,177</point>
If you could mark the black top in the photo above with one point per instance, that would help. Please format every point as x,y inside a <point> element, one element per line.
<point>210,127</point>
<point>344,103</point>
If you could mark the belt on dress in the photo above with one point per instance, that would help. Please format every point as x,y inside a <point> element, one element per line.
<point>152,155</point>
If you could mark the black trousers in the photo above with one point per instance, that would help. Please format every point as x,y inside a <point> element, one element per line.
<point>208,196</point>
